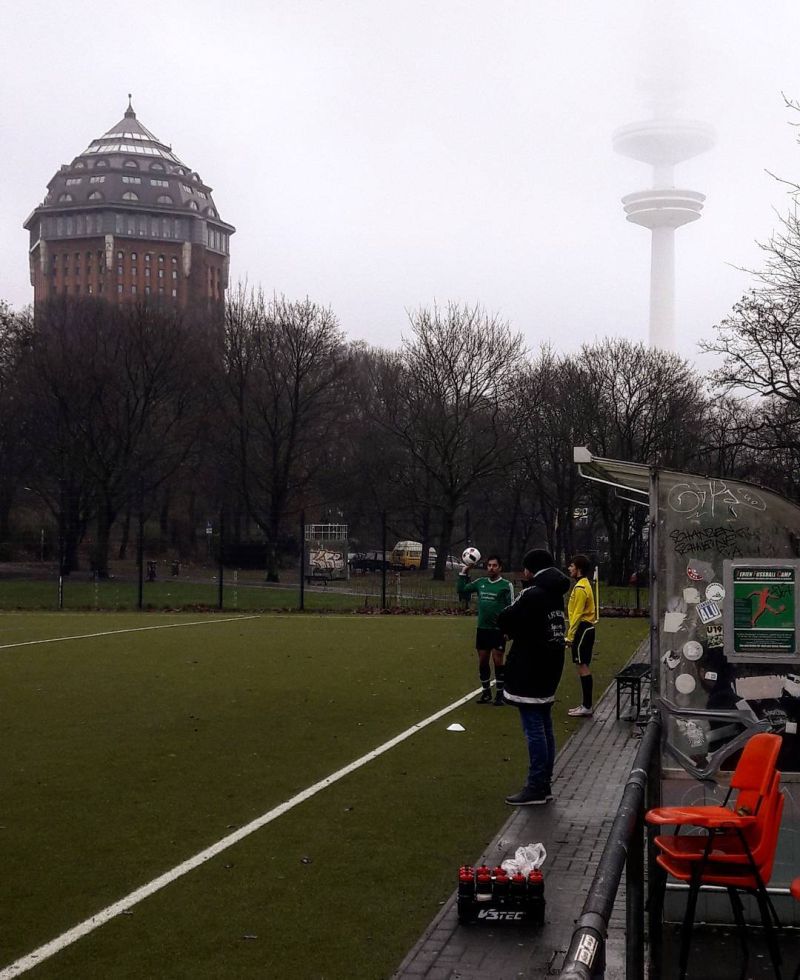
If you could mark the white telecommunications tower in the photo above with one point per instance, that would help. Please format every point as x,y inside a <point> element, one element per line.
<point>663,143</point>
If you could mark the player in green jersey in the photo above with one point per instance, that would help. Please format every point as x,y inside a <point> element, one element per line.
<point>494,594</point>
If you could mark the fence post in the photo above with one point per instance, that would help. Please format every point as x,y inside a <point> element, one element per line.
<point>221,584</point>
<point>383,562</point>
<point>140,550</point>
<point>302,560</point>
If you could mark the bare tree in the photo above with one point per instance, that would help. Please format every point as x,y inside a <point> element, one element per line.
<point>643,405</point>
<point>444,397</point>
<point>117,409</point>
<point>285,364</point>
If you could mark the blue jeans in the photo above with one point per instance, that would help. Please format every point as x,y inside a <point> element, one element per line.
<point>537,724</point>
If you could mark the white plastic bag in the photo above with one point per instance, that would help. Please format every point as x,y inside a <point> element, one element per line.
<point>526,859</point>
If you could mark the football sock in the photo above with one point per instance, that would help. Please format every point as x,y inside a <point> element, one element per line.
<point>499,679</point>
<point>586,688</point>
<point>485,675</point>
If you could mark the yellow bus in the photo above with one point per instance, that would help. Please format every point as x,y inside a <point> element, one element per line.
<point>408,554</point>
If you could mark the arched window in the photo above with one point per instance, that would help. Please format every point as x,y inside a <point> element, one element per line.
<point>65,197</point>
<point>80,165</point>
<point>131,165</point>
<point>101,165</point>
<point>164,199</point>
<point>95,196</point>
<point>157,166</point>
<point>130,196</point>
<point>193,205</point>
<point>212,213</point>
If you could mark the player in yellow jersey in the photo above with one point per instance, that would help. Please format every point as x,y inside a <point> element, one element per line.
<point>580,632</point>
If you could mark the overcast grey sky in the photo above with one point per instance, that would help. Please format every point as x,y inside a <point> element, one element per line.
<point>378,155</point>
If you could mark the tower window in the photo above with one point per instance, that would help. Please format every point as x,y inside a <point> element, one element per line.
<point>131,165</point>
<point>157,166</point>
<point>193,205</point>
<point>164,198</point>
<point>101,165</point>
<point>95,196</point>
<point>130,196</point>
<point>65,197</point>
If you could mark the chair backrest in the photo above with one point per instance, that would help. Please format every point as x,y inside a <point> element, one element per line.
<point>753,775</point>
<point>763,840</point>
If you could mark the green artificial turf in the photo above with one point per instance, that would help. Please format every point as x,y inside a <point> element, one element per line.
<point>125,754</point>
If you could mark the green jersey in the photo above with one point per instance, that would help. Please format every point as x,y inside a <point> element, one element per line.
<point>493,597</point>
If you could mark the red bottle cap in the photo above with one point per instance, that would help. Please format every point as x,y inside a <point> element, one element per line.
<point>536,875</point>
<point>518,877</point>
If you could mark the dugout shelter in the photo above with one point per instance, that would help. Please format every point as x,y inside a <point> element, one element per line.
<point>724,635</point>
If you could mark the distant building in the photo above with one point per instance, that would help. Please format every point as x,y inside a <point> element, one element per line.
<point>128,221</point>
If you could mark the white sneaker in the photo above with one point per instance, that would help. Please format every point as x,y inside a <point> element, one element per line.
<point>580,712</point>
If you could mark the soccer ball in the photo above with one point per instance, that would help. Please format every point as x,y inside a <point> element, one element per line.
<point>471,556</point>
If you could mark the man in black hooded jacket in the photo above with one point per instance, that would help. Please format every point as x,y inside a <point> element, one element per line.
<point>535,622</point>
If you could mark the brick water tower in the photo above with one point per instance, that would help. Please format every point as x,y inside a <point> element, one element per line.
<point>127,221</point>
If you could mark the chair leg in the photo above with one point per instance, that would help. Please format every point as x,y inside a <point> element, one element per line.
<point>686,928</point>
<point>764,906</point>
<point>741,928</point>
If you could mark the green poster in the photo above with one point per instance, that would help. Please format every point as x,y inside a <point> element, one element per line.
<point>763,609</point>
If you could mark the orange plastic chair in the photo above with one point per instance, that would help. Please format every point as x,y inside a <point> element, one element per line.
<point>751,780</point>
<point>727,839</point>
<point>751,878</point>
<point>736,847</point>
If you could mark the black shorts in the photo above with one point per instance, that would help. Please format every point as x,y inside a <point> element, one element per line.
<point>490,639</point>
<point>583,644</point>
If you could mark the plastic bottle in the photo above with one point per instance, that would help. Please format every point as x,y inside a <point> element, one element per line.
<point>536,896</point>
<point>466,883</point>
<point>517,889</point>
<point>501,886</point>
<point>483,885</point>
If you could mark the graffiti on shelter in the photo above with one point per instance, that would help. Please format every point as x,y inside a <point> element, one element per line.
<point>724,541</point>
<point>713,498</point>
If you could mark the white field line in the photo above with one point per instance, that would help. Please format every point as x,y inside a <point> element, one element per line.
<point>100,918</point>
<point>134,629</point>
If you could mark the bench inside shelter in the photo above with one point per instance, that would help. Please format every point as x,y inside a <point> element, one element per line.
<point>629,680</point>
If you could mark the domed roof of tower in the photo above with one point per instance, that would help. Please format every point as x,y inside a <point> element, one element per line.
<point>130,166</point>
<point>130,136</point>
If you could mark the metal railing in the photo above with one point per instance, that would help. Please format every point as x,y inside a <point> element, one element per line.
<point>624,850</point>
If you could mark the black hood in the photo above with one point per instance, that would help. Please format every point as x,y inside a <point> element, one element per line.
<point>552,580</point>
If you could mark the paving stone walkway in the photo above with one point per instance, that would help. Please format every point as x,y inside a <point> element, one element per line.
<point>590,774</point>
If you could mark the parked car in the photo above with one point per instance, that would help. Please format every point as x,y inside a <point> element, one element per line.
<point>369,561</point>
